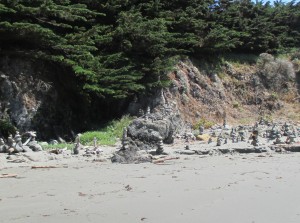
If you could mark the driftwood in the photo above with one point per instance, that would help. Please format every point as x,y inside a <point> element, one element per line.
<point>164,159</point>
<point>47,167</point>
<point>8,175</point>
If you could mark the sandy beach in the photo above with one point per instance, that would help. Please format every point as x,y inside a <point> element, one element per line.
<point>260,188</point>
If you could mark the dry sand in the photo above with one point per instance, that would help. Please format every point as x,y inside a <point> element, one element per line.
<point>209,189</point>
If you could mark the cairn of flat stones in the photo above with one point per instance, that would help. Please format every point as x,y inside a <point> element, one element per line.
<point>278,139</point>
<point>286,129</point>
<point>141,112</point>
<point>219,140</point>
<point>224,123</point>
<point>148,113</point>
<point>291,139</point>
<point>160,146</point>
<point>14,144</point>
<point>201,130</point>
<point>125,143</point>
<point>209,140</point>
<point>77,145</point>
<point>3,147</point>
<point>254,137</point>
<point>10,141</point>
<point>97,149</point>
<point>233,137</point>
<point>225,141</point>
<point>187,143</point>
<point>18,146</point>
<point>242,136</point>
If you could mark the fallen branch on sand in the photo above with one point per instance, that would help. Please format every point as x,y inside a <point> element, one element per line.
<point>164,159</point>
<point>8,175</point>
<point>46,167</point>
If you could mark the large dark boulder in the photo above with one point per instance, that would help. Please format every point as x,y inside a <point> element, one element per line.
<point>149,131</point>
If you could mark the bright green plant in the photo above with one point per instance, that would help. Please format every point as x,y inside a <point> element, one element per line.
<point>203,122</point>
<point>107,135</point>
<point>58,146</point>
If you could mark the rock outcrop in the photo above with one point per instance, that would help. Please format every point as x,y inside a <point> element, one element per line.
<point>35,95</point>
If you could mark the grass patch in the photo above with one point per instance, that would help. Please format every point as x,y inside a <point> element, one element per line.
<point>102,137</point>
<point>58,146</point>
<point>203,122</point>
<point>108,134</point>
<point>288,53</point>
<point>239,58</point>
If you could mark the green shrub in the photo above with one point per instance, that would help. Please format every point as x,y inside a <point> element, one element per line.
<point>58,146</point>
<point>204,122</point>
<point>239,58</point>
<point>235,104</point>
<point>6,128</point>
<point>108,134</point>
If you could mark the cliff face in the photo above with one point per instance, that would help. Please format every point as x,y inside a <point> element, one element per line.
<point>241,92</point>
<point>39,96</point>
<point>36,96</point>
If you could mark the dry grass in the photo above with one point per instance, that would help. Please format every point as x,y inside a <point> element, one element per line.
<point>290,112</point>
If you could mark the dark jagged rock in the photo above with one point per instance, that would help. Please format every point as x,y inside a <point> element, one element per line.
<point>150,132</point>
<point>292,148</point>
<point>131,155</point>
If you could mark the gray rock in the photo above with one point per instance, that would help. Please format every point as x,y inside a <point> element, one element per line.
<point>53,142</point>
<point>35,146</point>
<point>150,132</point>
<point>131,156</point>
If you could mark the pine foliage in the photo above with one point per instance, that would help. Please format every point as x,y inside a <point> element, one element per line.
<point>117,48</point>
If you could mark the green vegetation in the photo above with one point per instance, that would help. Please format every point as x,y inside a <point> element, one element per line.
<point>236,104</point>
<point>6,128</point>
<point>240,58</point>
<point>58,146</point>
<point>118,48</point>
<point>107,135</point>
<point>203,122</point>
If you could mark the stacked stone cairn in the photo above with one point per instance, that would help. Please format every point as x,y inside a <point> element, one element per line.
<point>141,112</point>
<point>273,133</point>
<point>254,137</point>
<point>226,141</point>
<point>286,129</point>
<point>148,113</point>
<point>278,139</point>
<point>77,145</point>
<point>242,136</point>
<point>3,147</point>
<point>125,143</point>
<point>201,130</point>
<point>219,140</point>
<point>233,135</point>
<point>15,144</point>
<point>187,142</point>
<point>209,140</point>
<point>160,147</point>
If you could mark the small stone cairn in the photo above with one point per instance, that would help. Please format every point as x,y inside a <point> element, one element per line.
<point>219,140</point>
<point>201,130</point>
<point>125,143</point>
<point>187,143</point>
<point>160,147</point>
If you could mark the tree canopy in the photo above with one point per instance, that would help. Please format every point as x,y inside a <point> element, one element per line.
<point>120,47</point>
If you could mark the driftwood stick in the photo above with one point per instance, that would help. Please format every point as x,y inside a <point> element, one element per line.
<point>47,167</point>
<point>164,159</point>
<point>8,175</point>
